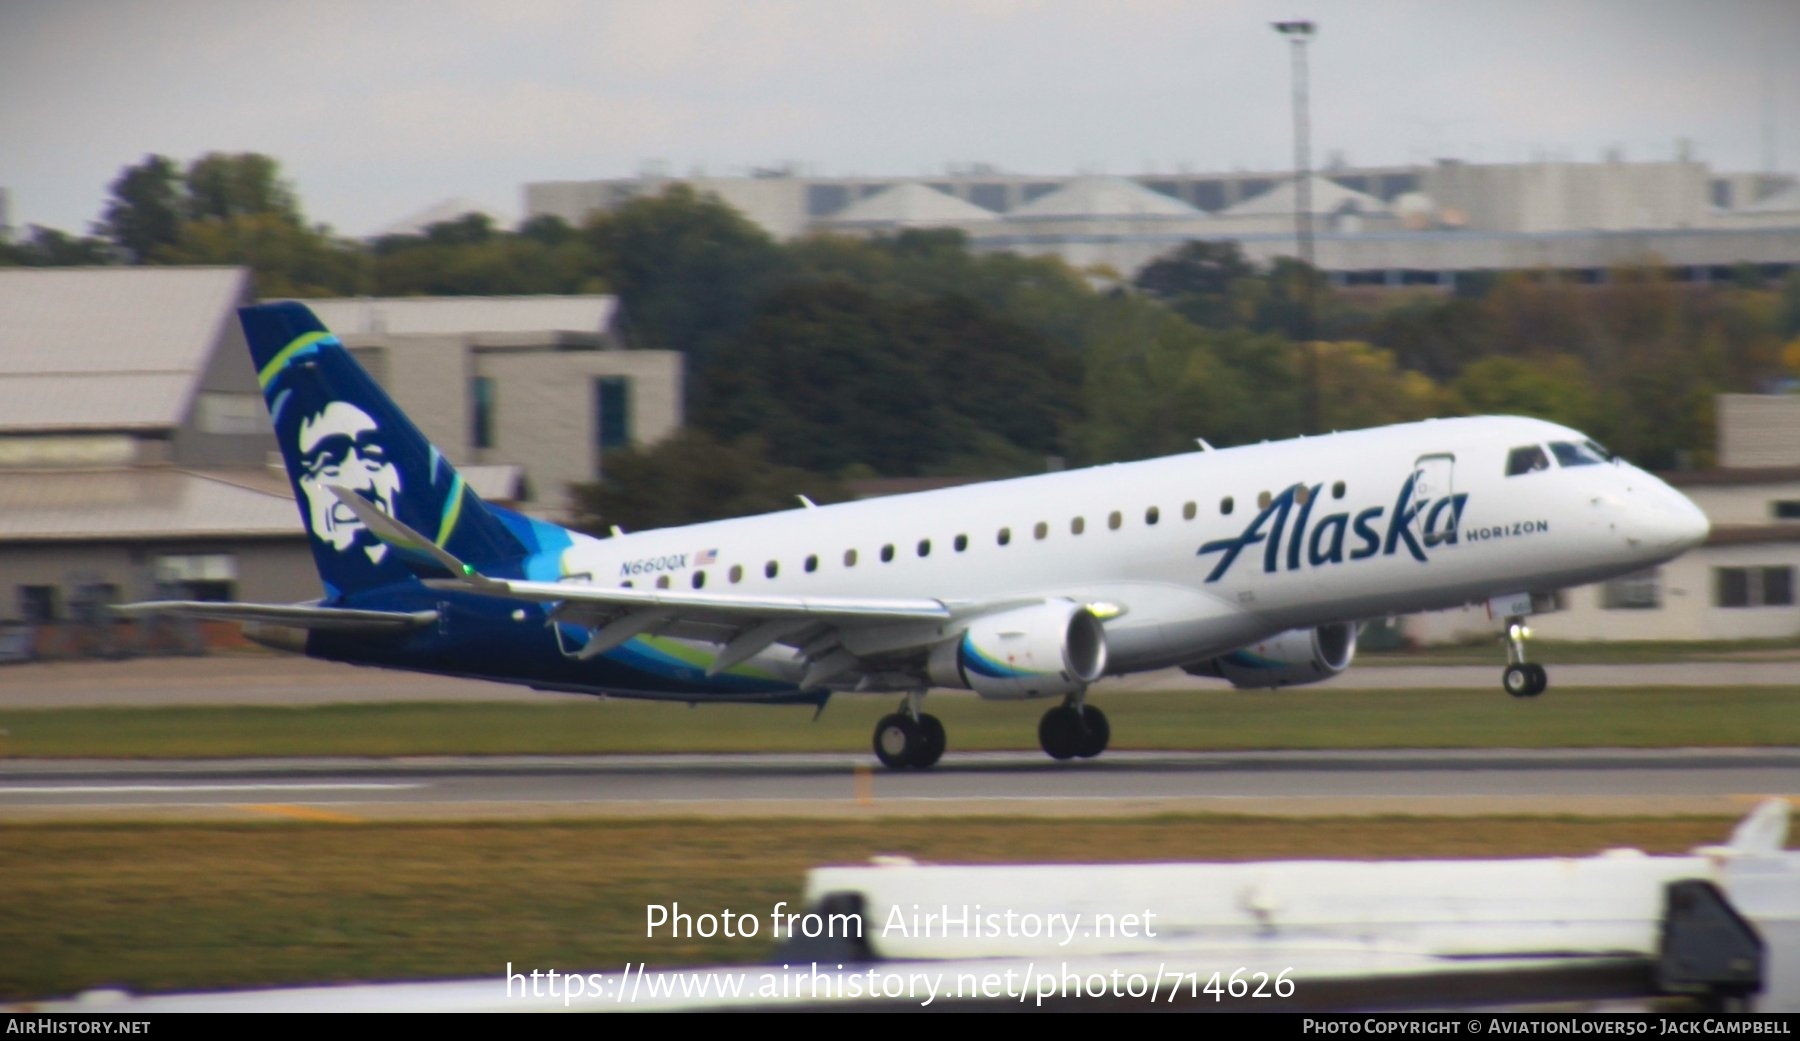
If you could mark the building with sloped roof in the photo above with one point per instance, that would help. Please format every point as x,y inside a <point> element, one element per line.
<point>1578,218</point>
<point>1334,208</point>
<point>136,456</point>
<point>907,205</point>
<point>133,444</point>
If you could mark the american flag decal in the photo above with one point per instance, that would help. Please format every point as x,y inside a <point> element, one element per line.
<point>705,557</point>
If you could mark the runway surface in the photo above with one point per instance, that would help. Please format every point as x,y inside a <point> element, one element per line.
<point>285,680</point>
<point>1588,782</point>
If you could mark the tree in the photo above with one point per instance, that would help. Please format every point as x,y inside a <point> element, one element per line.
<point>221,186</point>
<point>824,377</point>
<point>48,247</point>
<point>693,477</point>
<point>1203,280</point>
<point>288,259</point>
<point>1559,388</point>
<point>689,270</point>
<point>470,229</point>
<point>146,209</point>
<point>1361,386</point>
<point>1155,381</point>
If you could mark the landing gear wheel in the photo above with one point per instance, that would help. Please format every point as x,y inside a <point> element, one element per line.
<point>1525,680</point>
<point>1095,732</point>
<point>1060,732</point>
<point>897,741</point>
<point>931,742</point>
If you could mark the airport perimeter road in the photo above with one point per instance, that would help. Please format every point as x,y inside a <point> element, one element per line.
<point>1589,781</point>
<point>284,680</point>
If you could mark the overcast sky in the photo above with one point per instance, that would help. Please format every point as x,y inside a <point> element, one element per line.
<point>379,109</point>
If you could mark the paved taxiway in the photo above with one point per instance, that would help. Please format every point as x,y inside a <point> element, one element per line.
<point>1294,783</point>
<point>260,679</point>
<point>1289,783</point>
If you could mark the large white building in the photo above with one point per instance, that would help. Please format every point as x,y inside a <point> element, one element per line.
<point>1404,225</point>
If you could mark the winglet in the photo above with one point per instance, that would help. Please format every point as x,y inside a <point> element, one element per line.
<point>1764,831</point>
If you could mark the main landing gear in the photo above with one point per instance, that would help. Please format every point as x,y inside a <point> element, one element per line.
<point>1074,729</point>
<point>1522,679</point>
<point>909,737</point>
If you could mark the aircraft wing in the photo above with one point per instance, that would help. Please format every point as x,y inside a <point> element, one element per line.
<point>837,636</point>
<point>300,616</point>
<point>823,629</point>
<point>725,607</point>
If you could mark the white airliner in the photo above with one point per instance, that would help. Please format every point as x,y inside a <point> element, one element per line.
<point>1252,564</point>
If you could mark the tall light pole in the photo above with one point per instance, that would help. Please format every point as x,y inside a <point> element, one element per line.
<point>1299,33</point>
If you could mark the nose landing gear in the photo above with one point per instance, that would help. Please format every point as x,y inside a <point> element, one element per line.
<point>1522,679</point>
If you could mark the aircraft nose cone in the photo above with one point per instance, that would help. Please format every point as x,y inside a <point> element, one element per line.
<point>1672,523</point>
<point>1691,525</point>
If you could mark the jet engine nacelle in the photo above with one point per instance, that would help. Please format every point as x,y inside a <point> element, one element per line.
<point>1056,647</point>
<point>1287,660</point>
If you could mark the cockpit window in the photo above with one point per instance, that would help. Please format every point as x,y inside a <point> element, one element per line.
<point>1568,453</point>
<point>1526,459</point>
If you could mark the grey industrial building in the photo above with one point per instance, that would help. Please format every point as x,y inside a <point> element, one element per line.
<point>1391,225</point>
<point>136,458</point>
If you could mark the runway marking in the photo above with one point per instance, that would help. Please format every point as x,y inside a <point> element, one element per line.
<point>98,789</point>
<point>304,813</point>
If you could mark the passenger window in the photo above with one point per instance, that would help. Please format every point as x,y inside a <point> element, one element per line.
<point>699,580</point>
<point>1004,537</point>
<point>736,574</point>
<point>1302,494</point>
<point>1337,490</point>
<point>887,553</point>
<point>1077,525</point>
<point>1568,453</point>
<point>924,547</point>
<point>1115,519</point>
<point>849,558</point>
<point>961,543</point>
<point>1188,510</point>
<point>1526,459</point>
<point>1263,499</point>
<point>1226,505</point>
<point>1152,515</point>
<point>1041,532</point>
<point>771,569</point>
<point>662,581</point>
<point>625,584</point>
<point>812,563</point>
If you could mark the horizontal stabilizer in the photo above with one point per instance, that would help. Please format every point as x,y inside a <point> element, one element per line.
<point>300,616</point>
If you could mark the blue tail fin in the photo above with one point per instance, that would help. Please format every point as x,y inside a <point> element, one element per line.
<point>337,427</point>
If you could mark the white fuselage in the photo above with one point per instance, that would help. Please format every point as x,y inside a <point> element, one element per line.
<point>1195,555</point>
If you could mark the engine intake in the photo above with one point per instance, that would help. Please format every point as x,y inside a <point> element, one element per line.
<point>1288,660</point>
<point>1056,647</point>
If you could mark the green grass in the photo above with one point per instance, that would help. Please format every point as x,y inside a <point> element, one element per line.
<point>158,907</point>
<point>1625,652</point>
<point>1311,718</point>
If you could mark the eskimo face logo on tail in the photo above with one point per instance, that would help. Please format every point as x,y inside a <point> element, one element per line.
<point>341,445</point>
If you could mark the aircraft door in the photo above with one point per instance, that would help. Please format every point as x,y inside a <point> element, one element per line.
<point>1434,482</point>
